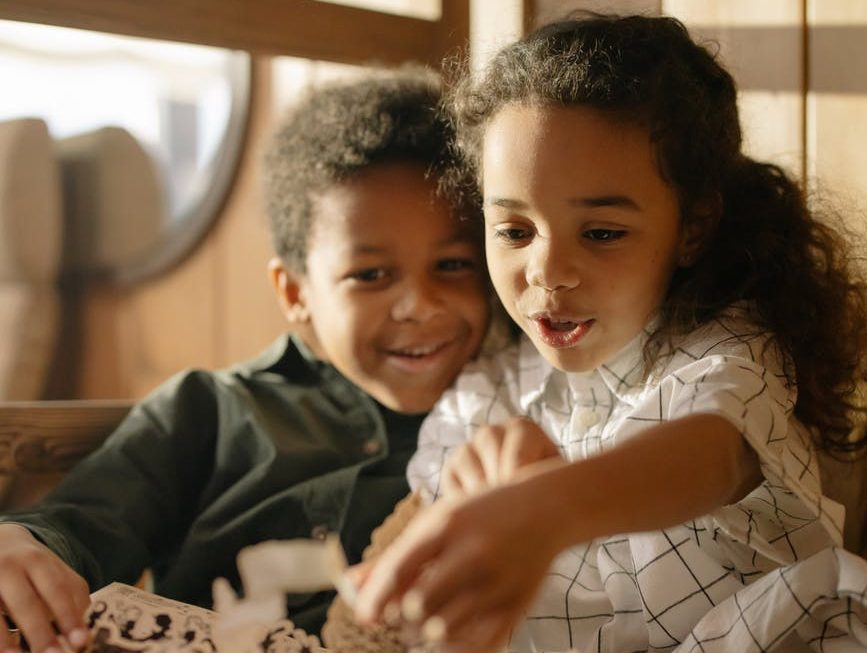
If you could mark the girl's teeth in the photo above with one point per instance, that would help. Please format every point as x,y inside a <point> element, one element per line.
<point>562,326</point>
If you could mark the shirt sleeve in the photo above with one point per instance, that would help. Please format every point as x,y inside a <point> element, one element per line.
<point>786,517</point>
<point>127,504</point>
<point>485,392</point>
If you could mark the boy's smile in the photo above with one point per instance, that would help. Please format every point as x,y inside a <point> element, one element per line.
<point>582,233</point>
<point>394,287</point>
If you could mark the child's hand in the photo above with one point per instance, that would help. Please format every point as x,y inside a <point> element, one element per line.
<point>466,569</point>
<point>38,590</point>
<point>494,456</point>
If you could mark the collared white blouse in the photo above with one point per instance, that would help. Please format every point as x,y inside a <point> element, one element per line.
<point>646,591</point>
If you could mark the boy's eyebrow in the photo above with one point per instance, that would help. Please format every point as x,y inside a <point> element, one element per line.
<point>457,237</point>
<point>593,202</point>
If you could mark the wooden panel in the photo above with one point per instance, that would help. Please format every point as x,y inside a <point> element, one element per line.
<point>761,43</point>
<point>837,102</point>
<point>302,28</point>
<point>246,308</point>
<point>548,10</point>
<point>41,441</point>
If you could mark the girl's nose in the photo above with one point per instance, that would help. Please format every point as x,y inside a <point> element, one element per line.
<point>418,301</point>
<point>552,267</point>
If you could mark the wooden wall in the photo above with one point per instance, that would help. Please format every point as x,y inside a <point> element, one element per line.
<point>800,65</point>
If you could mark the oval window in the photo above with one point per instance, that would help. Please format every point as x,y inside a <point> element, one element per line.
<point>147,132</point>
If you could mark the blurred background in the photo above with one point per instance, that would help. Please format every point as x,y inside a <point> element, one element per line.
<point>133,240</point>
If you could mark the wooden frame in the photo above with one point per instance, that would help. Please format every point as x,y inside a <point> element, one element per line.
<point>41,440</point>
<point>301,28</point>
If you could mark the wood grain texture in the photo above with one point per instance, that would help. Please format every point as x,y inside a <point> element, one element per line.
<point>300,28</point>
<point>51,436</point>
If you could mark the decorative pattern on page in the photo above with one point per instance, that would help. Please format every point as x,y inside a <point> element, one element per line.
<point>125,619</point>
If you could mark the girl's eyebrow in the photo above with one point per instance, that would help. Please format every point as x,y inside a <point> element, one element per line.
<point>618,201</point>
<point>593,202</point>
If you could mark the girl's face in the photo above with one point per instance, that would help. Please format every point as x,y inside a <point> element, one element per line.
<point>394,291</point>
<point>582,234</point>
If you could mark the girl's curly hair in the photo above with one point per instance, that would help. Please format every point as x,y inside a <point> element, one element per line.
<point>761,241</point>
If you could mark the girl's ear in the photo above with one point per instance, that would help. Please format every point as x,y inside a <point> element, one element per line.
<point>290,295</point>
<point>697,230</point>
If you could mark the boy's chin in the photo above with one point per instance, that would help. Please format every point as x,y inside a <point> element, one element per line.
<point>404,403</point>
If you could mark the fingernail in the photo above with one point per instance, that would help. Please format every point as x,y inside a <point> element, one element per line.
<point>434,630</point>
<point>412,606</point>
<point>52,649</point>
<point>78,637</point>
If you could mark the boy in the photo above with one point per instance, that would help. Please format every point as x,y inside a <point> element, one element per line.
<point>384,287</point>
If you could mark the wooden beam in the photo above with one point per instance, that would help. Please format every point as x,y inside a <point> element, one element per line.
<point>300,28</point>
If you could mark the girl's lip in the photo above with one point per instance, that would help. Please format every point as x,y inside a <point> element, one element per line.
<point>557,338</point>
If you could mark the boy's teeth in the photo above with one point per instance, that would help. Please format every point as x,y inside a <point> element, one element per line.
<point>418,351</point>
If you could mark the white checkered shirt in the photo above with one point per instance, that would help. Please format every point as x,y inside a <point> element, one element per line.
<point>646,591</point>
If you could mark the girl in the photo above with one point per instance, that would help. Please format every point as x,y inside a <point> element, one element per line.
<point>669,289</point>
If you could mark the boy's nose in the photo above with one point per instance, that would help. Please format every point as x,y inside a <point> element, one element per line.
<point>553,267</point>
<point>418,301</point>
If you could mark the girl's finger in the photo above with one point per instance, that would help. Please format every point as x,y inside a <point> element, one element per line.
<point>455,573</point>
<point>464,473</point>
<point>399,566</point>
<point>488,443</point>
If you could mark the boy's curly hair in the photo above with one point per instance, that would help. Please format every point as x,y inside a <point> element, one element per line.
<point>761,241</point>
<point>342,128</point>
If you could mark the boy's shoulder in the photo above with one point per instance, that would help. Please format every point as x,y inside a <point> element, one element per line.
<point>283,365</point>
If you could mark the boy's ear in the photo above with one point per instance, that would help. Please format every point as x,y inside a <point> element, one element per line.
<point>287,285</point>
<point>697,230</point>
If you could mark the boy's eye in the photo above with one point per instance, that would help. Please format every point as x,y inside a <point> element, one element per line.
<point>368,275</point>
<point>455,264</point>
<point>604,235</point>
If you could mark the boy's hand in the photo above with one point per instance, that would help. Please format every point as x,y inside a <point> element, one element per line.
<point>38,590</point>
<point>495,455</point>
<point>466,569</point>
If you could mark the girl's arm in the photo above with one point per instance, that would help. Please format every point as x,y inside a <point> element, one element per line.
<point>475,564</point>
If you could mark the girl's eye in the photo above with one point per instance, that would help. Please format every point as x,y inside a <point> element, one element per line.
<point>368,275</point>
<point>512,234</point>
<point>455,264</point>
<point>604,235</point>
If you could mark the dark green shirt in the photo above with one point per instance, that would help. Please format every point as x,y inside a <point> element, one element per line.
<point>281,447</point>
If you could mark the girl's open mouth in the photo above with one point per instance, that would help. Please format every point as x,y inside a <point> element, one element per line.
<point>560,333</point>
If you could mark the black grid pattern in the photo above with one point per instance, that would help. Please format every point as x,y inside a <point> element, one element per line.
<point>647,591</point>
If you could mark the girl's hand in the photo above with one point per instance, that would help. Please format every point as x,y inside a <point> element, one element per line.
<point>38,590</point>
<point>466,569</point>
<point>495,455</point>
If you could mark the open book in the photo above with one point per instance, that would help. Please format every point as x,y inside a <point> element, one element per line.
<point>125,619</point>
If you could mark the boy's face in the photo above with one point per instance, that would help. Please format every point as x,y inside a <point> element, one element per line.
<point>582,234</point>
<point>394,290</point>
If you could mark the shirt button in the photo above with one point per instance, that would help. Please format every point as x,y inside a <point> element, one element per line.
<point>319,532</point>
<point>372,447</point>
<point>588,418</point>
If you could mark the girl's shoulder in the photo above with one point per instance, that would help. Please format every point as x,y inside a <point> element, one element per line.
<point>735,333</point>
